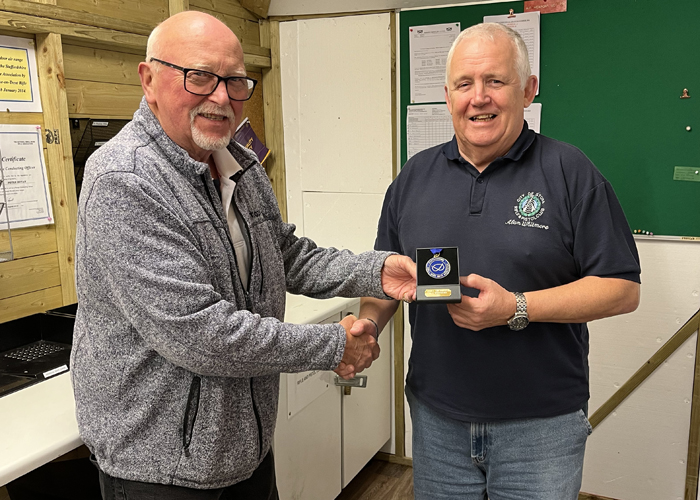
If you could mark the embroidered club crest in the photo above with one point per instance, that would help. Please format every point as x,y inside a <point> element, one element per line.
<point>530,206</point>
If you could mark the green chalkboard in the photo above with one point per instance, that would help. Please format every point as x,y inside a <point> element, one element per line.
<point>612,73</point>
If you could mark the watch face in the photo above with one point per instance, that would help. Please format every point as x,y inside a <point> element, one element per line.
<point>518,323</point>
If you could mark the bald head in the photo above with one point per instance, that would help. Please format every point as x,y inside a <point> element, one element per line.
<point>188,28</point>
<point>194,44</point>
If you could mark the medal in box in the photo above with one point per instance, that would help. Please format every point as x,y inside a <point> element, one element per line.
<point>438,275</point>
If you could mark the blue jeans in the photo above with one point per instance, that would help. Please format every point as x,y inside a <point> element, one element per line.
<point>528,459</point>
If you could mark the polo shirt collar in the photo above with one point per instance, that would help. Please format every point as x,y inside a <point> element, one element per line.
<point>522,143</point>
<point>226,164</point>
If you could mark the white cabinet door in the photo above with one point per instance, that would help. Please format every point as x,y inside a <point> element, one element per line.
<point>367,412</point>
<point>307,443</point>
<point>323,439</point>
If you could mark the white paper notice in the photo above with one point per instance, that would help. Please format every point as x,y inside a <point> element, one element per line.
<point>533,116</point>
<point>528,26</point>
<point>428,47</point>
<point>25,180</point>
<point>427,126</point>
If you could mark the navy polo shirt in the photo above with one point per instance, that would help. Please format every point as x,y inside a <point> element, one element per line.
<point>539,217</point>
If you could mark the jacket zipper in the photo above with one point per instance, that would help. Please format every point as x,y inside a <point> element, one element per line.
<point>248,304</point>
<point>258,421</point>
<point>211,200</point>
<point>191,414</point>
<point>262,272</point>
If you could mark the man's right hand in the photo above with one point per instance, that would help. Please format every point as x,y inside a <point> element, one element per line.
<point>360,350</point>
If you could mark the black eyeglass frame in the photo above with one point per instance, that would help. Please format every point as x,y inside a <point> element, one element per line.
<point>225,79</point>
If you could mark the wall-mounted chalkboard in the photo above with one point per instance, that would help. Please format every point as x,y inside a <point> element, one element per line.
<point>612,73</point>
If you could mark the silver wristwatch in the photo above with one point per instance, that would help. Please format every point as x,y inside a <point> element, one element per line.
<point>520,319</point>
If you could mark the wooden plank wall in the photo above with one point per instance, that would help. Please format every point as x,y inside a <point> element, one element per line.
<point>88,69</point>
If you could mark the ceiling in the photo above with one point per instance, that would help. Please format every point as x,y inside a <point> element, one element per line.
<point>305,7</point>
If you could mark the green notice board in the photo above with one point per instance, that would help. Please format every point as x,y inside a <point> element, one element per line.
<point>612,73</point>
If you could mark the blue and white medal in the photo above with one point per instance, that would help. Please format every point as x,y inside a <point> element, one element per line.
<point>437,267</point>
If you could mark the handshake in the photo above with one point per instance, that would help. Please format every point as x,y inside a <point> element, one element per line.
<point>361,347</point>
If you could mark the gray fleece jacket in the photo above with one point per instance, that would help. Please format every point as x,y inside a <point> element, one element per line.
<point>175,367</point>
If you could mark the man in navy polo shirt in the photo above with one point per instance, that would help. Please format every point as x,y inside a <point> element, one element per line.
<point>498,384</point>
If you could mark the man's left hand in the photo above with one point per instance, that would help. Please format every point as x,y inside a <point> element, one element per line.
<point>399,278</point>
<point>493,307</point>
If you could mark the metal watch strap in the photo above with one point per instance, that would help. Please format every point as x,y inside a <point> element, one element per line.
<point>520,319</point>
<point>520,302</point>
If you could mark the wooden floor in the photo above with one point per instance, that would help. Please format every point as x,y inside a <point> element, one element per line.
<point>380,480</point>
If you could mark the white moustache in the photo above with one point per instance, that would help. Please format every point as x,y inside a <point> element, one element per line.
<point>212,109</point>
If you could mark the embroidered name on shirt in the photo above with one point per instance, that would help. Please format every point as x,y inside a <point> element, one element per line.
<point>529,207</point>
<point>514,222</point>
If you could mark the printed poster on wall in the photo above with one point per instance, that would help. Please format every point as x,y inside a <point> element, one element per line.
<point>528,26</point>
<point>27,197</point>
<point>19,85</point>
<point>427,125</point>
<point>429,46</point>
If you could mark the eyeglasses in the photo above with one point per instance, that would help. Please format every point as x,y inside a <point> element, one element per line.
<point>198,82</point>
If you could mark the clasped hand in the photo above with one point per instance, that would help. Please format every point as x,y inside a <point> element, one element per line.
<point>361,346</point>
<point>493,306</point>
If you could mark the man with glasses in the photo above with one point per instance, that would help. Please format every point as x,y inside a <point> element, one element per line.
<point>182,264</point>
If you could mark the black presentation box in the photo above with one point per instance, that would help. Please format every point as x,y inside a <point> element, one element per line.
<point>437,275</point>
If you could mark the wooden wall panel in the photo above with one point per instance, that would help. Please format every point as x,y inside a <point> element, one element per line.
<point>258,7</point>
<point>253,108</point>
<point>272,106</point>
<point>149,12</point>
<point>30,303</point>
<point>137,49</point>
<point>22,276</point>
<point>96,65</point>
<point>22,118</point>
<point>30,241</point>
<point>177,6</point>
<point>35,24</point>
<point>59,160</point>
<point>95,99</point>
<point>247,31</point>
<point>230,7</point>
<point>48,9</point>
<point>13,33</point>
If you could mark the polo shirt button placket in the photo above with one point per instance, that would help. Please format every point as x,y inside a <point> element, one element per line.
<point>478,195</point>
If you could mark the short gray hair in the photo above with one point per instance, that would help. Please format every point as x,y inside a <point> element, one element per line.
<point>489,32</point>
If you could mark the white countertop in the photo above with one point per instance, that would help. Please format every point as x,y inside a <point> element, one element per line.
<point>37,424</point>
<point>303,310</point>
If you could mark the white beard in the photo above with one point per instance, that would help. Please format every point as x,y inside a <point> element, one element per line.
<point>208,142</point>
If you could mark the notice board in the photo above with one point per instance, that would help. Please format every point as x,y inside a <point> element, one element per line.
<point>612,73</point>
